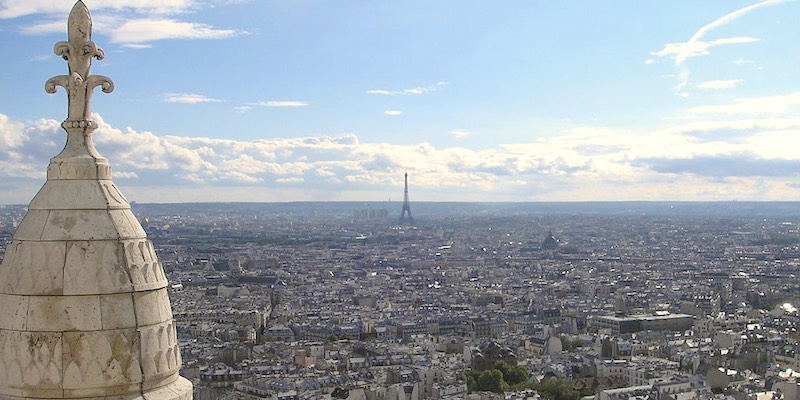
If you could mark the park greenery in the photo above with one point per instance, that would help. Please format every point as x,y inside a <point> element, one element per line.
<point>504,377</point>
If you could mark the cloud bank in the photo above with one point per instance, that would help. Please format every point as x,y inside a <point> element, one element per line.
<point>742,159</point>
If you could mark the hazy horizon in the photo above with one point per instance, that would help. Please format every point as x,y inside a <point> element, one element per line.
<point>426,212</point>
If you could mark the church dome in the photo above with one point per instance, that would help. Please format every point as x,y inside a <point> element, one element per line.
<point>549,242</point>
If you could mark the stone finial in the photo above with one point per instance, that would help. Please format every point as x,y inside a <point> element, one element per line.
<point>78,51</point>
<point>79,156</point>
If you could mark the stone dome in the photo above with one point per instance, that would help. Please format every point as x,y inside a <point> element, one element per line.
<point>84,308</point>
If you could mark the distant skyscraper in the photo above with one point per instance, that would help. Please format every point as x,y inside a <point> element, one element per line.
<point>405,214</point>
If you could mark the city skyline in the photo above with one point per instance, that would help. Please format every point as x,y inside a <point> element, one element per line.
<point>525,101</point>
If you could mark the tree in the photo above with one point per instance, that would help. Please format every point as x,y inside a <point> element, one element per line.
<point>497,380</point>
<point>570,344</point>
<point>512,374</point>
<point>557,389</point>
<point>485,381</point>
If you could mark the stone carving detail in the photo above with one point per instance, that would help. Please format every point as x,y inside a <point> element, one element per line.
<point>160,352</point>
<point>33,268</point>
<point>61,170</point>
<point>30,359</point>
<point>95,267</point>
<point>105,358</point>
<point>114,193</point>
<point>78,51</point>
<point>145,270</point>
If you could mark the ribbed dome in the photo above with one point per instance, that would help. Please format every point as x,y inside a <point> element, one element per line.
<point>84,308</point>
<point>549,242</point>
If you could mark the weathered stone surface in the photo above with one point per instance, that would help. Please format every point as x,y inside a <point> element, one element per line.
<point>77,195</point>
<point>96,267</point>
<point>64,313</point>
<point>30,360</point>
<point>32,225</point>
<point>14,312</point>
<point>152,307</point>
<point>180,389</point>
<point>160,354</point>
<point>33,268</point>
<point>117,311</point>
<point>80,168</point>
<point>145,271</point>
<point>102,360</point>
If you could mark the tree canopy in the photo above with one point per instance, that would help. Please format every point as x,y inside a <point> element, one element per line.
<point>498,379</point>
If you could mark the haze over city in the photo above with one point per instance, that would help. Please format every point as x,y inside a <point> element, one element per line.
<point>478,101</point>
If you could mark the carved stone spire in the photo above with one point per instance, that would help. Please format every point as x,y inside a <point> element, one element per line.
<point>79,84</point>
<point>84,308</point>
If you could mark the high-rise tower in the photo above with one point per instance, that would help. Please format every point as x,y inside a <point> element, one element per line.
<point>84,308</point>
<point>405,214</point>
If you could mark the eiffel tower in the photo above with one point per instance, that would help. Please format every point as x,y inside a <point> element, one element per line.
<point>405,215</point>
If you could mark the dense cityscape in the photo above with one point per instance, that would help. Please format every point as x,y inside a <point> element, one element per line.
<point>596,300</point>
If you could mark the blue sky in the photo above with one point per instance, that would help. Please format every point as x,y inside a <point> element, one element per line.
<point>237,100</point>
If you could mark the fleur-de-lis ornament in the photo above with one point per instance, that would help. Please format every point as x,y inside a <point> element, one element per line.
<point>78,51</point>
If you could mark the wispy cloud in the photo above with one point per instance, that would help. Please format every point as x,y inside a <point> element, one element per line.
<point>130,23</point>
<point>759,105</point>
<point>460,134</point>
<point>719,84</point>
<point>393,112</point>
<point>289,180</point>
<point>188,98</point>
<point>137,46</point>
<point>415,90</point>
<point>681,51</point>
<point>280,104</point>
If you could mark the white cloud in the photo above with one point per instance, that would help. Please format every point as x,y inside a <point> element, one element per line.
<point>280,104</point>
<point>137,46</point>
<point>719,84</point>
<point>129,23</point>
<point>393,112</point>
<point>11,134</point>
<point>188,98</point>
<point>460,134</point>
<point>289,180</point>
<point>415,90</point>
<point>148,30</point>
<point>242,109</point>
<point>680,52</point>
<point>124,175</point>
